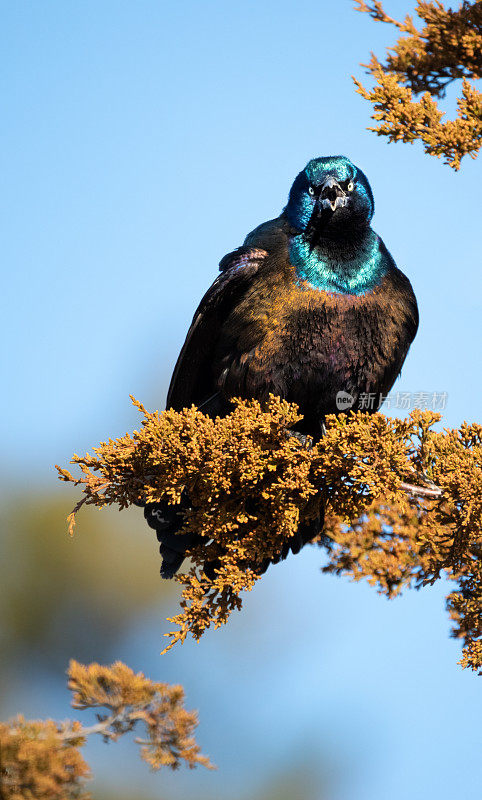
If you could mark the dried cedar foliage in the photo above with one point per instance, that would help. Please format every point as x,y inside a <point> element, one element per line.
<point>424,62</point>
<point>250,485</point>
<point>41,759</point>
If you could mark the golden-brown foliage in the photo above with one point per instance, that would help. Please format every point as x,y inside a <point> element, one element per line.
<point>249,485</point>
<point>448,47</point>
<point>41,760</point>
<point>36,761</point>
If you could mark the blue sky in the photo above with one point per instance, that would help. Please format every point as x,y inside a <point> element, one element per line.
<point>141,142</point>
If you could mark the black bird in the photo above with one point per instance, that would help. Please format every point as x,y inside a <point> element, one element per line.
<point>311,307</point>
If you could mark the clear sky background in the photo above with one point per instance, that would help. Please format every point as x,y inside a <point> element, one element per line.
<point>141,142</point>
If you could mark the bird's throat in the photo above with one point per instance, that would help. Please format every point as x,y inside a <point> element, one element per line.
<point>340,267</point>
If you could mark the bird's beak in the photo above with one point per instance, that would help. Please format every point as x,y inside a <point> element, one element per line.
<point>332,195</point>
<point>330,198</point>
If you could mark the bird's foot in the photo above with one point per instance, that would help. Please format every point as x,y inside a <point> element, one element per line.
<point>428,481</point>
<point>303,438</point>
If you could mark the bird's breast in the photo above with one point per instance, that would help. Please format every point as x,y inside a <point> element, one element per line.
<point>307,344</point>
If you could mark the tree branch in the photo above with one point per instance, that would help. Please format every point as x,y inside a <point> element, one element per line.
<point>422,491</point>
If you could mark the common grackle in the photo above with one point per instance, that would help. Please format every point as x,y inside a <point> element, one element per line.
<point>310,306</point>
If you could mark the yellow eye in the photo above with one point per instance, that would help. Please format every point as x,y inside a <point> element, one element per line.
<point>350,186</point>
<point>311,190</point>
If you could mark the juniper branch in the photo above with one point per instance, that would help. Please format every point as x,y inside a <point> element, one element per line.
<point>403,503</point>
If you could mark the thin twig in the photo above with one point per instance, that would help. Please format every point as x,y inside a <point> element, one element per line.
<point>100,727</point>
<point>422,490</point>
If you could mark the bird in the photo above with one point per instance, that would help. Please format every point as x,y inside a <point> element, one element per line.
<point>311,307</point>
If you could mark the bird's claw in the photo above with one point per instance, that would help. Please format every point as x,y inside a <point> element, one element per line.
<point>305,440</point>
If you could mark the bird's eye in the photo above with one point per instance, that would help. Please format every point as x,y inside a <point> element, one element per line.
<point>311,190</point>
<point>350,186</point>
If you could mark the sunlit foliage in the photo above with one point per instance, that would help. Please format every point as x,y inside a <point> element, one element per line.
<point>403,501</point>
<point>446,48</point>
<point>41,759</point>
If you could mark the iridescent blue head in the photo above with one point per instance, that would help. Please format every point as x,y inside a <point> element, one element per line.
<point>331,197</point>
<point>333,247</point>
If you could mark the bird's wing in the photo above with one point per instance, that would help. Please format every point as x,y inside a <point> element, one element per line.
<point>192,380</point>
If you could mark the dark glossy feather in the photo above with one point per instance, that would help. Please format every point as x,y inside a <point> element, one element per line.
<point>193,380</point>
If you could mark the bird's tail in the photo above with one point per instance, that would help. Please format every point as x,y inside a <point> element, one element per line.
<point>167,520</point>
